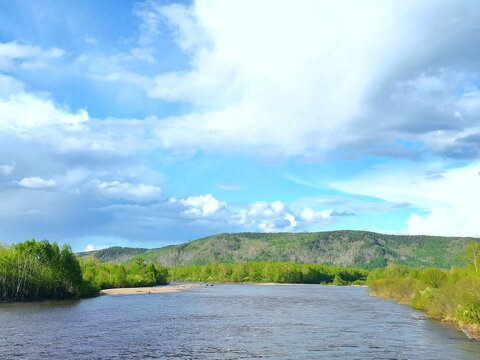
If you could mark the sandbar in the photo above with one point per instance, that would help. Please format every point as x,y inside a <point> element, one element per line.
<point>149,290</point>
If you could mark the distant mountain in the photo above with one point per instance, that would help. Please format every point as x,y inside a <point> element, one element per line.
<point>115,254</point>
<point>362,249</point>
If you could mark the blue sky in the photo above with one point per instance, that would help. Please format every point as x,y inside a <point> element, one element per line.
<point>151,123</point>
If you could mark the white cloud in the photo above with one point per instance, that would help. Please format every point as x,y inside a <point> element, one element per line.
<point>291,219</point>
<point>214,213</point>
<point>36,182</point>
<point>137,192</point>
<point>30,115</point>
<point>12,53</point>
<point>260,208</point>
<point>292,88</point>
<point>449,203</point>
<point>204,205</point>
<point>38,119</point>
<point>278,206</point>
<point>265,95</point>
<point>23,113</point>
<point>13,50</point>
<point>310,215</point>
<point>276,216</point>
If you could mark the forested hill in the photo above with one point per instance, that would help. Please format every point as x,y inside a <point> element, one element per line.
<point>342,248</point>
<point>114,254</point>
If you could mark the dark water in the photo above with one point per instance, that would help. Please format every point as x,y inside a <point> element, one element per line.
<point>228,322</point>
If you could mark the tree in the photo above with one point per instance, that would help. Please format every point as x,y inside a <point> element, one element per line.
<point>471,255</point>
<point>433,277</point>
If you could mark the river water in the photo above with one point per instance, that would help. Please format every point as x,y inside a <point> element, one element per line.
<point>228,322</point>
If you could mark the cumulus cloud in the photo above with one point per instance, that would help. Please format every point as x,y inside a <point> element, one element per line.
<point>278,206</point>
<point>203,205</point>
<point>36,182</point>
<point>294,89</point>
<point>207,213</point>
<point>276,216</point>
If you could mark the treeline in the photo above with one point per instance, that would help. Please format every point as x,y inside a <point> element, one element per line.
<point>452,295</point>
<point>104,276</point>
<point>40,270</point>
<point>269,272</point>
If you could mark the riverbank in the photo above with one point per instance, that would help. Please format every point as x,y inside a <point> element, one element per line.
<point>472,331</point>
<point>287,284</point>
<point>149,290</point>
<point>450,296</point>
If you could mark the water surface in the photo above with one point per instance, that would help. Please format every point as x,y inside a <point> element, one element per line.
<point>228,322</point>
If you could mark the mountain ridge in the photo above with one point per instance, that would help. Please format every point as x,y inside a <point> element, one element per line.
<point>352,248</point>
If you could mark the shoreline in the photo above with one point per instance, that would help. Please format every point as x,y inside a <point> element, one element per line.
<point>471,331</point>
<point>265,283</point>
<point>149,290</point>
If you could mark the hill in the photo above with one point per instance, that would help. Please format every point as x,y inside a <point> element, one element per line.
<point>362,249</point>
<point>115,254</point>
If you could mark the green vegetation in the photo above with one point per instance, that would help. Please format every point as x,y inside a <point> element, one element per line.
<point>104,276</point>
<point>33,270</point>
<point>452,295</point>
<point>39,270</point>
<point>270,272</point>
<point>115,254</point>
<point>360,249</point>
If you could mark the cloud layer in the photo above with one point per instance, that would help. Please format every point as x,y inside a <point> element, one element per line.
<point>388,88</point>
<point>369,78</point>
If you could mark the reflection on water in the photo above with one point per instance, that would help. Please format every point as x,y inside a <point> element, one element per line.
<point>35,306</point>
<point>228,322</point>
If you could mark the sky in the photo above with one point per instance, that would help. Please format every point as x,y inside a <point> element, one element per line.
<point>153,123</point>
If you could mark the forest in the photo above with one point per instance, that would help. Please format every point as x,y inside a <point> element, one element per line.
<point>267,272</point>
<point>39,270</point>
<point>358,249</point>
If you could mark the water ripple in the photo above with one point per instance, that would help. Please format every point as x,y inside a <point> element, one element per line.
<point>228,322</point>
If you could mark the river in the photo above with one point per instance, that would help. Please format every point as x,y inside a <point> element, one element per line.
<point>228,322</point>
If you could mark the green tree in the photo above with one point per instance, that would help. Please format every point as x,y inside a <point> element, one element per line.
<point>471,255</point>
<point>433,277</point>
